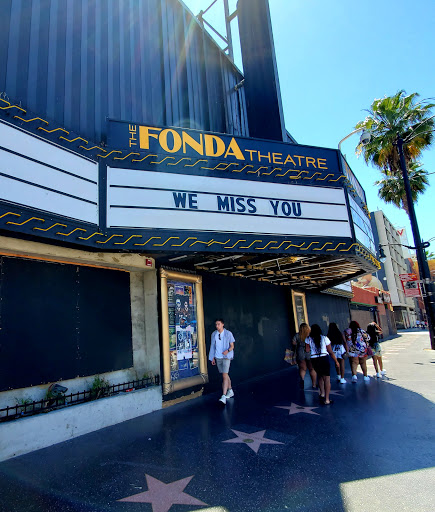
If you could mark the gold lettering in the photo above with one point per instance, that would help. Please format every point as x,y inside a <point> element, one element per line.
<point>190,141</point>
<point>299,158</point>
<point>289,159</point>
<point>250,151</point>
<point>276,158</point>
<point>260,156</point>
<point>163,140</point>
<point>312,161</point>
<point>144,136</point>
<point>209,141</point>
<point>321,163</point>
<point>235,150</point>
<point>132,128</point>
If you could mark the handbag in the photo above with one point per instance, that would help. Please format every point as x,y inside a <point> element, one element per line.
<point>290,357</point>
<point>369,351</point>
<point>345,355</point>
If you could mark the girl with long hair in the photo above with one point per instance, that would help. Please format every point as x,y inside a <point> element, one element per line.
<point>358,341</point>
<point>302,357</point>
<point>319,347</point>
<point>339,347</point>
<point>373,330</point>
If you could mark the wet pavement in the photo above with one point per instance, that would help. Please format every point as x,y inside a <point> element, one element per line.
<point>273,448</point>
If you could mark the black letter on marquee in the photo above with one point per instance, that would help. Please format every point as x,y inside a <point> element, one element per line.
<point>223,204</point>
<point>274,206</point>
<point>297,209</point>
<point>241,207</point>
<point>252,207</point>
<point>179,199</point>
<point>286,208</point>
<point>193,201</point>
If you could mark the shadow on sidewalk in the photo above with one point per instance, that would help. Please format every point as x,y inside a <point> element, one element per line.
<point>372,430</point>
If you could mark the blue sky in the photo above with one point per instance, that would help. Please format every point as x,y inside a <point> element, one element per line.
<point>334,58</point>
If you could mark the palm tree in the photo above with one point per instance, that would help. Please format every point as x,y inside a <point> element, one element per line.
<point>396,116</point>
<point>392,187</point>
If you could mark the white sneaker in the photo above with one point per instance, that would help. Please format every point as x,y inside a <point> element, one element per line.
<point>338,378</point>
<point>230,394</point>
<point>354,378</point>
<point>342,381</point>
<point>383,372</point>
<point>366,378</point>
<point>223,399</point>
<point>379,376</point>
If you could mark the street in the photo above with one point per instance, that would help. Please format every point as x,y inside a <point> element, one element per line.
<point>272,448</point>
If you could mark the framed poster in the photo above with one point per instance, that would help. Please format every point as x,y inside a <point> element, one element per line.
<point>183,334</point>
<point>299,309</point>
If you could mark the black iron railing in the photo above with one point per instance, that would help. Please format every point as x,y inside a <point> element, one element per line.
<point>52,403</point>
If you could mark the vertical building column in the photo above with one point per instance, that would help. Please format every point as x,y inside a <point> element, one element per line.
<point>262,91</point>
<point>144,318</point>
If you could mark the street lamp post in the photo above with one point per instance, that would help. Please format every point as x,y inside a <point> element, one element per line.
<point>423,266</point>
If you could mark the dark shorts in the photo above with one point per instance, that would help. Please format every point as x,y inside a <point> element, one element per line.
<point>321,366</point>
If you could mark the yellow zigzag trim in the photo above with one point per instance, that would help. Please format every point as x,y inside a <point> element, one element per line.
<point>48,229</point>
<point>33,119</point>
<point>25,222</point>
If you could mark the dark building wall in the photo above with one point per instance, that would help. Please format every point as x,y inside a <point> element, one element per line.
<point>82,61</point>
<point>265,116</point>
<point>259,315</point>
<point>61,321</point>
<point>323,309</point>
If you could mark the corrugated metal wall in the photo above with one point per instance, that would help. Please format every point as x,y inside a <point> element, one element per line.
<point>80,61</point>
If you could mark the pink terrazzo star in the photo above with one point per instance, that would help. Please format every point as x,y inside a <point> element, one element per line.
<point>295,409</point>
<point>254,440</point>
<point>162,496</point>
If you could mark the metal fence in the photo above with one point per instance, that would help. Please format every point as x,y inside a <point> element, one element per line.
<point>51,403</point>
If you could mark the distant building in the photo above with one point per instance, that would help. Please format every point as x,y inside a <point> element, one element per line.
<point>395,264</point>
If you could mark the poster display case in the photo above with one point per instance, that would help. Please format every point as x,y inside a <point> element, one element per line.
<point>183,335</point>
<point>299,308</point>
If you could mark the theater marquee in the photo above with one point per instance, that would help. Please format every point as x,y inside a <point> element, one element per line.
<point>145,199</point>
<point>158,189</point>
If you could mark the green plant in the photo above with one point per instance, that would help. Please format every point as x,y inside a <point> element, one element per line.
<point>99,387</point>
<point>22,402</point>
<point>390,118</point>
<point>53,398</point>
<point>392,187</point>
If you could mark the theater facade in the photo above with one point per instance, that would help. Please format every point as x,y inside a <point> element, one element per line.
<point>125,231</point>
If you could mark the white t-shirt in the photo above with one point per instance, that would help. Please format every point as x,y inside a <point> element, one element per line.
<point>318,352</point>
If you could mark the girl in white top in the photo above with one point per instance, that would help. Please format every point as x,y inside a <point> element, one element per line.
<point>320,347</point>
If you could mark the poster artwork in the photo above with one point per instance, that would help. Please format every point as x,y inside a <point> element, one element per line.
<point>184,344</point>
<point>172,338</point>
<point>174,361</point>
<point>171,293</point>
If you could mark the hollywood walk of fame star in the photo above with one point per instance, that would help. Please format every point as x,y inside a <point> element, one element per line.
<point>162,496</point>
<point>254,440</point>
<point>295,409</point>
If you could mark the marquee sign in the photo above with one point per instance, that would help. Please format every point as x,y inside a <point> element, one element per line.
<point>174,189</point>
<point>188,143</point>
<point>145,199</point>
<point>37,174</point>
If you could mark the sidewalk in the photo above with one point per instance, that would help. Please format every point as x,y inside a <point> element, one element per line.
<point>272,448</point>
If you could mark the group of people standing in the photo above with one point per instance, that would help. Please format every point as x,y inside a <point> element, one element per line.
<point>313,350</point>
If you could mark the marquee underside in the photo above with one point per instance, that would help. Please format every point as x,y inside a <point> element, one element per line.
<point>304,272</point>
